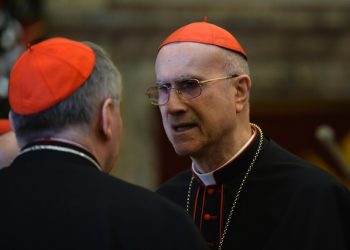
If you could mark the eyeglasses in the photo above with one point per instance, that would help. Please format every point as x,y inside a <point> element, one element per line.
<point>187,89</point>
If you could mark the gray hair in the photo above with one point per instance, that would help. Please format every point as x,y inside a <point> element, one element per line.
<point>79,109</point>
<point>235,63</point>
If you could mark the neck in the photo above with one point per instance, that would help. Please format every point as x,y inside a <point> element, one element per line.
<point>74,137</point>
<point>89,143</point>
<point>213,159</point>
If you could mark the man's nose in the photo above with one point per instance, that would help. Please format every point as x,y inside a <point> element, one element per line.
<point>175,101</point>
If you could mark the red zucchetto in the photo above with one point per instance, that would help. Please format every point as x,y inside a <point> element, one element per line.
<point>207,33</point>
<point>48,72</point>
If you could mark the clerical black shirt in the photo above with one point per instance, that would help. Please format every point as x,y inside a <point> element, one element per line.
<point>285,203</point>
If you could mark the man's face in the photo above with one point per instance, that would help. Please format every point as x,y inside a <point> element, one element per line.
<point>205,124</point>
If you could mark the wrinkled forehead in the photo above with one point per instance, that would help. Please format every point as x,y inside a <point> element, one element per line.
<point>188,58</point>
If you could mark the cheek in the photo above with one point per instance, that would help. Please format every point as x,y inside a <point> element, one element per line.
<point>163,114</point>
<point>165,123</point>
<point>218,113</point>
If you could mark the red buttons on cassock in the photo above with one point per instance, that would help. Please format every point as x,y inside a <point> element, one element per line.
<point>207,217</point>
<point>211,191</point>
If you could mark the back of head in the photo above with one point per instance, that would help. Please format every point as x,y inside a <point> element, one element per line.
<point>59,84</point>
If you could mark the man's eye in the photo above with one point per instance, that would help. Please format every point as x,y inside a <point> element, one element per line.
<point>188,84</point>
<point>163,88</point>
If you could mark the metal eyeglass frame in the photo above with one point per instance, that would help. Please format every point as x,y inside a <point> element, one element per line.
<point>178,92</point>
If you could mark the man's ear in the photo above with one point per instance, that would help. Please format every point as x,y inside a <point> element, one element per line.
<point>242,86</point>
<point>106,118</point>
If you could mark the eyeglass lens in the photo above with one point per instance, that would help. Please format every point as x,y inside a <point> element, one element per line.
<point>187,89</point>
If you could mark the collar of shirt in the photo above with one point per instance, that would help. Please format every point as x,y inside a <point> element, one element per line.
<point>208,179</point>
<point>60,145</point>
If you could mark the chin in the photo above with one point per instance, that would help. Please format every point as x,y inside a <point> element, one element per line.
<point>183,151</point>
<point>186,146</point>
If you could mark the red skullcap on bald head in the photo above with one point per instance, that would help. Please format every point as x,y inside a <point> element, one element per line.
<point>207,33</point>
<point>47,73</point>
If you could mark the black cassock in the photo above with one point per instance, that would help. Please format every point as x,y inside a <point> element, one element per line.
<point>56,199</point>
<point>285,203</point>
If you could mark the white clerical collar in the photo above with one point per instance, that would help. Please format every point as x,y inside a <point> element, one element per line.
<point>208,178</point>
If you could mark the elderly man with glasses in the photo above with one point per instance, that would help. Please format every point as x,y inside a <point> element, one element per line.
<point>243,190</point>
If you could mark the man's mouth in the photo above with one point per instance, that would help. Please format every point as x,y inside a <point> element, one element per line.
<point>183,127</point>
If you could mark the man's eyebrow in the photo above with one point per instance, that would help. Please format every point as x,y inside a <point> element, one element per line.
<point>177,79</point>
<point>160,83</point>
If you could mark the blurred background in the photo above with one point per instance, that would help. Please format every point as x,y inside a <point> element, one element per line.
<point>299,54</point>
